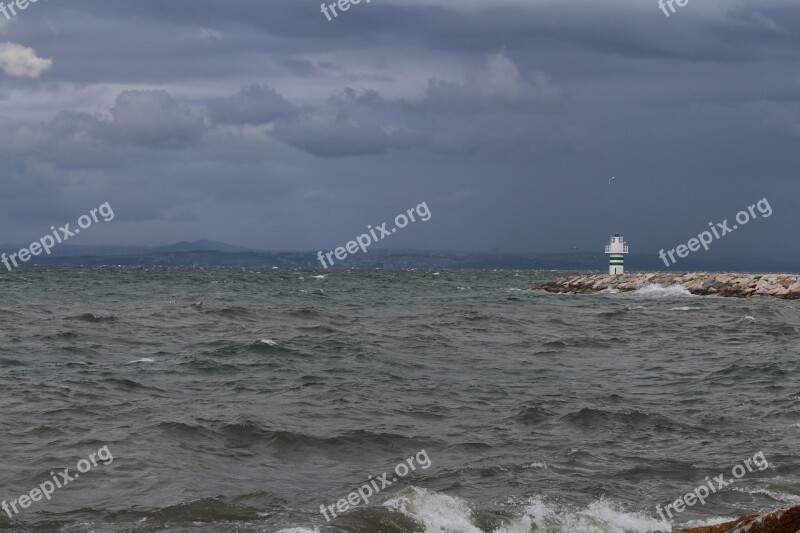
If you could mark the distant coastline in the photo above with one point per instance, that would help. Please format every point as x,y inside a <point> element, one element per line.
<point>214,254</point>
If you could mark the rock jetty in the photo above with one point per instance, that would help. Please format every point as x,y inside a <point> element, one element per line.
<point>781,521</point>
<point>786,286</point>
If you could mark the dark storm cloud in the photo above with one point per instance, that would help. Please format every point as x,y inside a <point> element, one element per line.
<point>263,124</point>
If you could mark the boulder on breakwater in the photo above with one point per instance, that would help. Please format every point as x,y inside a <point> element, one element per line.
<point>780,521</point>
<point>786,286</point>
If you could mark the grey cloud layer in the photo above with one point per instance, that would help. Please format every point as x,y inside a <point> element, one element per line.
<point>217,119</point>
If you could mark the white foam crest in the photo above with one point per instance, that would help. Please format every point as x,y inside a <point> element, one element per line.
<point>437,512</point>
<point>775,495</point>
<point>143,360</point>
<point>684,308</point>
<point>658,290</point>
<point>706,523</point>
<point>518,525</point>
<point>440,513</point>
<point>542,465</point>
<point>599,517</point>
<point>299,530</point>
<point>268,342</point>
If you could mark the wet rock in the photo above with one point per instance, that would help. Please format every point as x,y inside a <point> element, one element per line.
<point>784,286</point>
<point>780,521</point>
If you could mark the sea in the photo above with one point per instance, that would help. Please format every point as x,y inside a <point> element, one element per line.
<point>262,400</point>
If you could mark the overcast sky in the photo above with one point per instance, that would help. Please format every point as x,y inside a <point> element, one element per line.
<point>262,124</point>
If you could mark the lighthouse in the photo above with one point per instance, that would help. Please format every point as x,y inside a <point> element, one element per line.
<point>616,252</point>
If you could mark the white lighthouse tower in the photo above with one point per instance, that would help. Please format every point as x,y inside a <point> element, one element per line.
<point>616,252</point>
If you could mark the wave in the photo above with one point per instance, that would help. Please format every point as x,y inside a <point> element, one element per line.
<point>91,317</point>
<point>268,342</point>
<point>534,415</point>
<point>207,510</point>
<point>436,512</point>
<point>783,498</point>
<point>590,417</point>
<point>207,366</point>
<point>657,290</point>
<point>305,312</point>
<point>227,312</point>
<point>413,509</point>
<point>246,433</point>
<point>142,360</point>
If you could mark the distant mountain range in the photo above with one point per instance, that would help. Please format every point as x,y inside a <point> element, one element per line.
<point>206,253</point>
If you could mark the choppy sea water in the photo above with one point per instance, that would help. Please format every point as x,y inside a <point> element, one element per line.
<point>239,400</point>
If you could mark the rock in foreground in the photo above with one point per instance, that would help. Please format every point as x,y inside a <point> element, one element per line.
<point>781,521</point>
<point>786,286</point>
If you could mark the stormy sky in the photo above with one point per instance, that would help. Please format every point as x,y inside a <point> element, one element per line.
<point>262,124</point>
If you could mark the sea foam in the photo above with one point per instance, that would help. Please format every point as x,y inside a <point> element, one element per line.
<point>438,512</point>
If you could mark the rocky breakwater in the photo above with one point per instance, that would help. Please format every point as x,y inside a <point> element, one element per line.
<point>786,286</point>
<point>781,521</point>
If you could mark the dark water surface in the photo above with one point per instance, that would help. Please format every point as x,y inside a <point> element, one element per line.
<point>284,391</point>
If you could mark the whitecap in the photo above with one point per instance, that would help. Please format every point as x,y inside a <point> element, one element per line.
<point>706,523</point>
<point>143,360</point>
<point>537,465</point>
<point>597,517</point>
<point>657,290</point>
<point>268,342</point>
<point>437,512</point>
<point>778,496</point>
